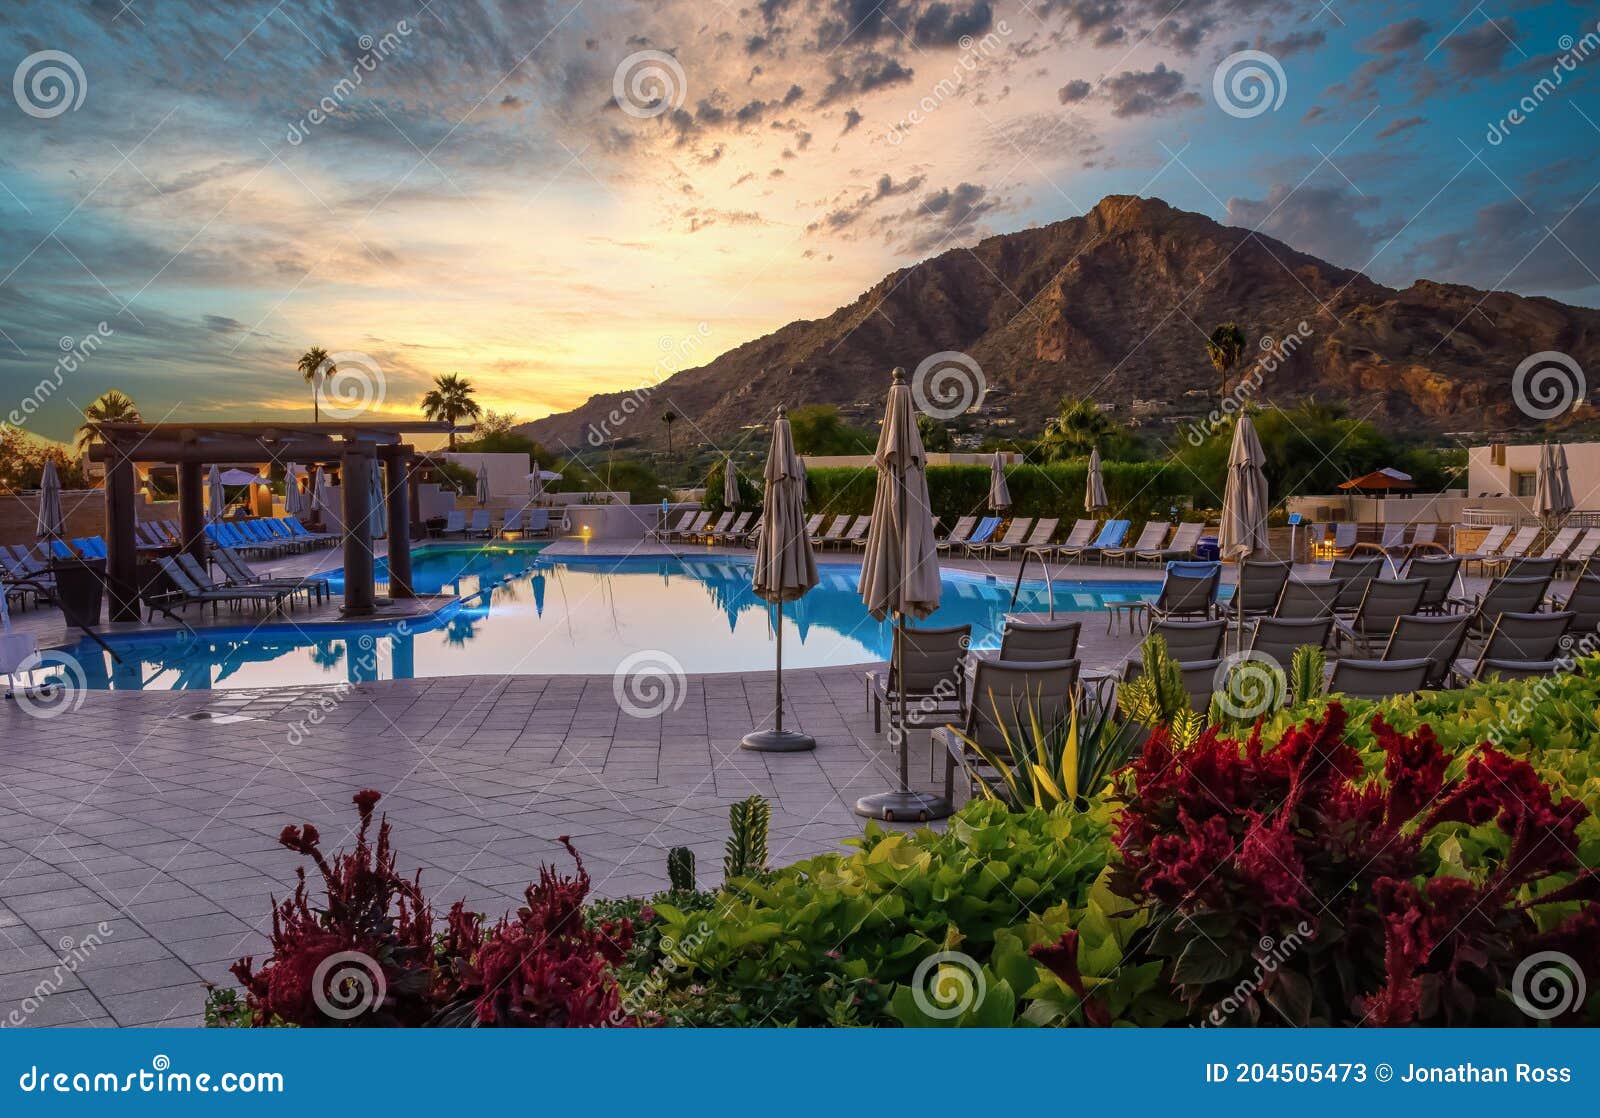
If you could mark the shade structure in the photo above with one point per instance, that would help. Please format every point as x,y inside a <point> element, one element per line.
<point>1380,483</point>
<point>483,484</point>
<point>730,484</point>
<point>1094,489</point>
<point>1552,492</point>
<point>377,502</point>
<point>900,574</point>
<point>536,481</point>
<point>215,497</point>
<point>1564,476</point>
<point>1244,501</point>
<point>52,524</point>
<point>241,477</point>
<point>785,568</point>
<point>999,493</point>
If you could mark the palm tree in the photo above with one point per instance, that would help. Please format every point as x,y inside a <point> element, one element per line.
<point>1078,427</point>
<point>1225,346</point>
<point>451,401</point>
<point>669,417</point>
<point>110,406</point>
<point>317,368</point>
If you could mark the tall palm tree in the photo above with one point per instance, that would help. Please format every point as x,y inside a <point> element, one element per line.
<point>669,417</point>
<point>110,406</point>
<point>315,366</point>
<point>451,401</point>
<point>1225,346</point>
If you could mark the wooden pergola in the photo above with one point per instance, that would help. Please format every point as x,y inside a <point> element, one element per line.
<point>354,447</point>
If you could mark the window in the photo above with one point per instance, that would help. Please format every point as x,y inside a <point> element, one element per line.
<point>1524,483</point>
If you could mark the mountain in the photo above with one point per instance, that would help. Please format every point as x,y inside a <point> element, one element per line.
<point>1115,305</point>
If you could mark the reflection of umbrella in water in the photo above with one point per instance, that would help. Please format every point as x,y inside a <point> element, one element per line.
<point>537,581</point>
<point>327,654</point>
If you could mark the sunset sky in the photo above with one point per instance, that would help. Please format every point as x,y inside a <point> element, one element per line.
<point>481,202</point>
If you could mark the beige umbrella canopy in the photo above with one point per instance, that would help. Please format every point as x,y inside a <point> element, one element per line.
<point>730,485</point>
<point>1244,501</point>
<point>1094,490</point>
<point>900,573</point>
<point>785,568</point>
<point>1553,491</point>
<point>999,493</point>
<point>52,524</point>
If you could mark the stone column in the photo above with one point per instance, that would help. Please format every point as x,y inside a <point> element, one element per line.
<point>355,470</point>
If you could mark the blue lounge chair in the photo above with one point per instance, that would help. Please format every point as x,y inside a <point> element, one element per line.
<point>975,543</point>
<point>1111,535</point>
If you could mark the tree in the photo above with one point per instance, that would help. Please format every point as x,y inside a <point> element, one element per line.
<point>494,423</point>
<point>1225,346</point>
<point>1078,427</point>
<point>935,435</point>
<point>110,406</point>
<point>450,401</point>
<point>668,418</point>
<point>318,368</point>
<point>819,429</point>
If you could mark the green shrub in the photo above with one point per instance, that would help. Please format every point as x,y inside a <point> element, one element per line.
<point>1137,490</point>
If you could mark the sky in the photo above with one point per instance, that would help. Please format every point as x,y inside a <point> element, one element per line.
<point>557,199</point>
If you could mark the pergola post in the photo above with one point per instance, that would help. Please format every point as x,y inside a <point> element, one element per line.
<point>397,492</point>
<point>122,549</point>
<point>355,480</point>
<point>413,476</point>
<point>192,509</point>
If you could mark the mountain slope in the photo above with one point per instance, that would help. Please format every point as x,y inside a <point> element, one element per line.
<point>1116,305</point>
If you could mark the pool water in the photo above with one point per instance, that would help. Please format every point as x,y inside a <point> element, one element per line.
<point>519,612</point>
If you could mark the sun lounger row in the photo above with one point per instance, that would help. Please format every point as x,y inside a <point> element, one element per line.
<point>1570,547</point>
<point>525,522</point>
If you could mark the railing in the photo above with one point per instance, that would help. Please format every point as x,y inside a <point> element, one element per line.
<point>1049,589</point>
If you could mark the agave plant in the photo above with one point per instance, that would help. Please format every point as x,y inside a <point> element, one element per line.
<point>1042,763</point>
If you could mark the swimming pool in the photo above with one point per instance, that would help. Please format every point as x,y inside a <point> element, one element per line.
<point>519,612</point>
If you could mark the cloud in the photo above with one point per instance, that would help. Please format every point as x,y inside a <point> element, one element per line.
<point>852,118</point>
<point>1326,221</point>
<point>1395,127</point>
<point>1396,38</point>
<point>943,25</point>
<point>1478,51</point>
<point>861,74</point>
<point>885,187</point>
<point>1148,92</point>
<point>1074,91</point>
<point>1508,248</point>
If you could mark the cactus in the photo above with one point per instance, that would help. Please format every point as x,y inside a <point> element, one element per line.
<point>680,869</point>
<point>747,843</point>
<point>1305,672</point>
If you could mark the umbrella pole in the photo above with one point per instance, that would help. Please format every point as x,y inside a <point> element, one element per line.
<point>903,805</point>
<point>777,739</point>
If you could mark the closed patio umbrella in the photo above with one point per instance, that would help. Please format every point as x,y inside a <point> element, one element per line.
<point>1562,474</point>
<point>214,494</point>
<point>294,498</point>
<point>377,502</point>
<point>1094,490</point>
<point>785,568</point>
<point>52,524</point>
<point>1552,499</point>
<point>1244,501</point>
<point>483,483</point>
<point>730,485</point>
<point>999,494</point>
<point>321,499</point>
<point>900,573</point>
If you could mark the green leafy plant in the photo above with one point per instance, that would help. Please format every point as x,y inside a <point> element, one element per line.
<point>746,848</point>
<point>1043,764</point>
<point>680,869</point>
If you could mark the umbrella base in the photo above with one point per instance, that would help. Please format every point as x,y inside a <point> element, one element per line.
<point>903,807</point>
<point>777,741</point>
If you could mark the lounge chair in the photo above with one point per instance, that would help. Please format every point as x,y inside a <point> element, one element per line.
<point>663,530</point>
<point>1033,640</point>
<point>1390,542</point>
<point>835,530</point>
<point>1515,548</point>
<point>1191,641</point>
<point>1531,640</point>
<point>1583,602</point>
<point>202,579</point>
<point>1488,547</point>
<point>1038,538</point>
<point>1279,637</point>
<point>1184,540</point>
<point>1528,567</point>
<point>1582,551</point>
<point>301,532</point>
<point>1007,699</point>
<point>1435,639</point>
<point>1378,679</point>
<point>455,523</point>
<point>733,531</point>
<point>1112,533</point>
<point>479,528</point>
<point>956,535</point>
<point>239,573</point>
<point>1261,583</point>
<point>537,522</point>
<point>750,534</point>
<point>934,682</point>
<point>1080,535</point>
<point>975,543</point>
<point>1310,598</point>
<point>1505,595</point>
<point>1345,538</point>
<point>1439,572</point>
<point>511,523</point>
<point>187,592</point>
<point>708,533</point>
<point>1189,590</point>
<point>1016,532</point>
<point>1151,537</point>
<point>696,526</point>
<point>1355,574</point>
<point>813,522</point>
<point>1385,602</point>
<point>857,535</point>
<point>1425,541</point>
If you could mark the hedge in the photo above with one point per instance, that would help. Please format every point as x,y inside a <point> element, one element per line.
<point>1136,490</point>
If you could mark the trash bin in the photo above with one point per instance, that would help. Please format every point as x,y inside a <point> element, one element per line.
<point>1207,549</point>
<point>80,590</point>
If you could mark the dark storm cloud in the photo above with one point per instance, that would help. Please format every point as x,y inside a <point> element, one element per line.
<point>1074,91</point>
<point>943,25</point>
<point>862,74</point>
